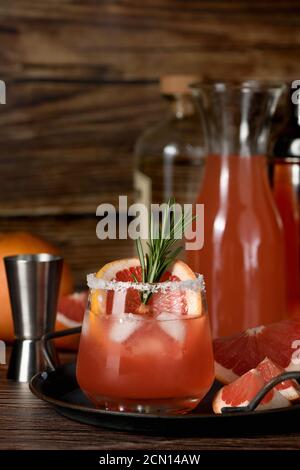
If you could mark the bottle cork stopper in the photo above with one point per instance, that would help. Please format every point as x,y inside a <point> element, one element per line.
<point>173,84</point>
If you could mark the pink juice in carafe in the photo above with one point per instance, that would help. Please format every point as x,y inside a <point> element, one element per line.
<point>242,258</point>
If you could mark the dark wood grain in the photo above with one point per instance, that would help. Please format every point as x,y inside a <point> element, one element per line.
<point>90,40</point>
<point>82,83</point>
<point>28,423</point>
<point>65,148</point>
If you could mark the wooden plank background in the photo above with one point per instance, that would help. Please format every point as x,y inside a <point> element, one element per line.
<point>81,81</point>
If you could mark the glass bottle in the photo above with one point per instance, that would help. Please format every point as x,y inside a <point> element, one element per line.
<point>285,180</point>
<point>170,154</point>
<point>243,255</point>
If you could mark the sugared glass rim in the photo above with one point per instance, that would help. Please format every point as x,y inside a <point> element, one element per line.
<point>190,284</point>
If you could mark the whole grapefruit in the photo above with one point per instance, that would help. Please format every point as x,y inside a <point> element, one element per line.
<point>16,243</point>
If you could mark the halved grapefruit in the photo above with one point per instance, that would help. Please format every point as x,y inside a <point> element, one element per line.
<point>128,270</point>
<point>242,390</point>
<point>237,354</point>
<point>70,314</point>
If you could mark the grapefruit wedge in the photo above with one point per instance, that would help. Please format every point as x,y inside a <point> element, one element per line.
<point>289,388</point>
<point>184,302</point>
<point>70,312</point>
<point>242,390</point>
<point>237,354</point>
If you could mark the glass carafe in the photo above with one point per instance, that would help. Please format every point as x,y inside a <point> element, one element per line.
<point>284,166</point>
<point>243,255</point>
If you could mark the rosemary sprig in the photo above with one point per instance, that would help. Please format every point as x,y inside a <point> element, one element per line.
<point>161,251</point>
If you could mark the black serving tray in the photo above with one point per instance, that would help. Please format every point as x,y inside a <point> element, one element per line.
<point>58,386</point>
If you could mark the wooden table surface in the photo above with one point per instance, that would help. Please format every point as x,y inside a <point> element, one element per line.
<point>28,423</point>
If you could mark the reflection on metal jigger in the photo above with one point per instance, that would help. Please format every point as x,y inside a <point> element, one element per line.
<point>33,282</point>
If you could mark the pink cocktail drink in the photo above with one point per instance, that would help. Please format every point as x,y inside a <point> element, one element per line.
<point>146,363</point>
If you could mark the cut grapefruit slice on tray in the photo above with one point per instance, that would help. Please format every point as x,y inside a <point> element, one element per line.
<point>243,390</point>
<point>71,309</point>
<point>70,312</point>
<point>237,354</point>
<point>177,302</point>
<point>290,389</point>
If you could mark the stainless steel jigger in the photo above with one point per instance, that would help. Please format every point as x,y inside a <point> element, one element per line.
<point>33,282</point>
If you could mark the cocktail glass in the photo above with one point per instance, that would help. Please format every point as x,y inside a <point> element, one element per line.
<point>159,360</point>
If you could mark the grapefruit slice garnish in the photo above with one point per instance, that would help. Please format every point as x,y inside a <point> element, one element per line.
<point>243,390</point>
<point>237,354</point>
<point>116,302</point>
